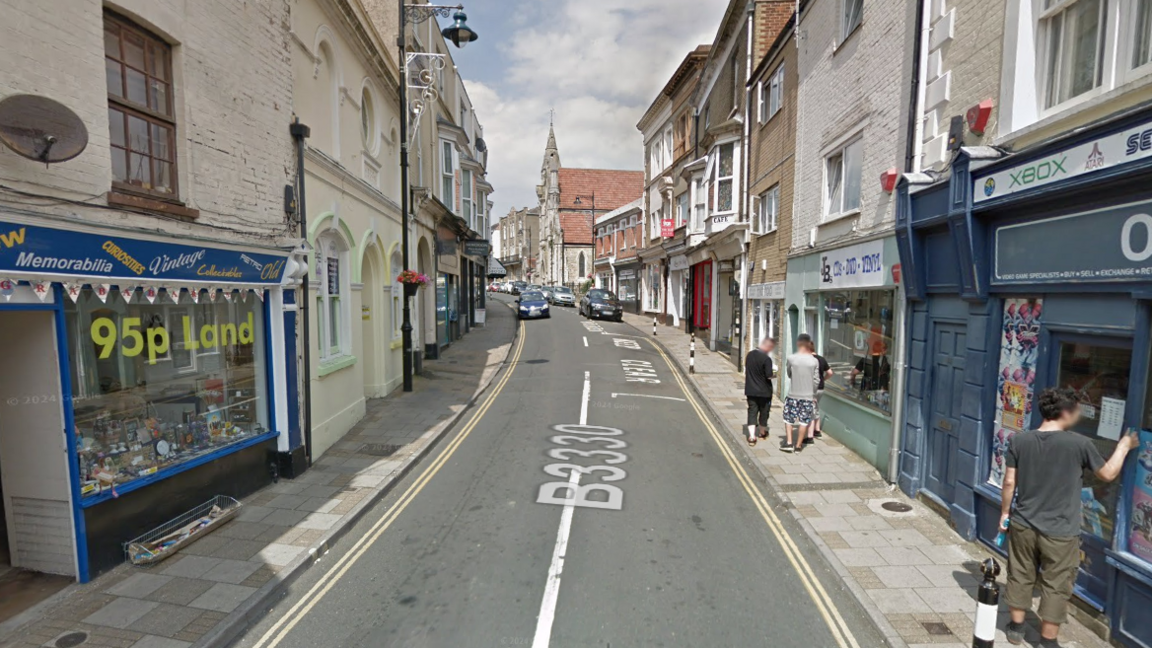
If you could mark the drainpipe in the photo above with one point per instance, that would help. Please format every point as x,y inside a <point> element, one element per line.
<point>299,133</point>
<point>912,164</point>
<point>746,198</point>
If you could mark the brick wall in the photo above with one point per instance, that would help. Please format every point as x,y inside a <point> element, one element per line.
<point>770,17</point>
<point>233,98</point>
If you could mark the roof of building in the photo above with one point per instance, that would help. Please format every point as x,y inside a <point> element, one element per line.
<point>620,211</point>
<point>611,189</point>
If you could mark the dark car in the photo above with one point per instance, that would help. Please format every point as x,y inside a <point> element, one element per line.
<point>532,304</point>
<point>599,303</point>
<point>518,287</point>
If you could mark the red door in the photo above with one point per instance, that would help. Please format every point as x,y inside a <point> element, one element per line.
<point>702,294</point>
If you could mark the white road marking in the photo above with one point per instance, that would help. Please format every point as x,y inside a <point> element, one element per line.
<point>614,395</point>
<point>585,340</point>
<point>552,588</point>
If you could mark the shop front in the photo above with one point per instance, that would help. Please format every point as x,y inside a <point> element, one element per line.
<point>765,306</point>
<point>628,285</point>
<point>678,270</point>
<point>451,290</point>
<point>846,299</point>
<point>1023,278</point>
<point>699,293</point>
<point>163,361</point>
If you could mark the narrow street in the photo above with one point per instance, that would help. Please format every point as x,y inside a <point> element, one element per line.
<point>682,547</point>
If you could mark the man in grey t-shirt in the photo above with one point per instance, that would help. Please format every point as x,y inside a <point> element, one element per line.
<point>1045,474</point>
<point>800,405</point>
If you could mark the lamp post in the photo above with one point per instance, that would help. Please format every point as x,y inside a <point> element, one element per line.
<point>579,201</point>
<point>460,35</point>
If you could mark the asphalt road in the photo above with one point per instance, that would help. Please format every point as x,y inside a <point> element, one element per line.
<point>682,548</point>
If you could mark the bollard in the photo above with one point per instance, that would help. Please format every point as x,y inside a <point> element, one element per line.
<point>692,354</point>
<point>988,602</point>
<point>653,326</point>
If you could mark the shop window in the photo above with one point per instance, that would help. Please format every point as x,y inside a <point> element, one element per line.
<point>857,342</point>
<point>843,173</point>
<point>158,384</point>
<point>141,122</point>
<point>653,281</point>
<point>1073,36</point>
<point>330,301</point>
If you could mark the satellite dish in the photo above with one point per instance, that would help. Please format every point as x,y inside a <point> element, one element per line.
<point>41,129</point>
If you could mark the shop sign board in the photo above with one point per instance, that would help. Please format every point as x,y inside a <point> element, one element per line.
<point>1111,150</point>
<point>773,290</point>
<point>855,266</point>
<point>1113,244</point>
<point>48,251</point>
<point>476,247</point>
<point>627,274</point>
<point>678,263</point>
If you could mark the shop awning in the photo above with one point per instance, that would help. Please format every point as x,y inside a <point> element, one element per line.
<point>495,268</point>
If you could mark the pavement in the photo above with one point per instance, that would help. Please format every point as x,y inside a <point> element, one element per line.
<point>667,540</point>
<point>212,589</point>
<point>913,574</point>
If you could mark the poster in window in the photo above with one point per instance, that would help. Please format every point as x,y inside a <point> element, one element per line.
<point>1015,380</point>
<point>333,271</point>
<point>1140,537</point>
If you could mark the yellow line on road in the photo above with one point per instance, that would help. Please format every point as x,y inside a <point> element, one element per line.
<point>296,613</point>
<point>836,624</point>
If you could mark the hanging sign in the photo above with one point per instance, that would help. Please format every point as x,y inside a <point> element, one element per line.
<point>667,227</point>
<point>51,251</point>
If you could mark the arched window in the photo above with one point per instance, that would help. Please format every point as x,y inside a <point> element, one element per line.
<point>367,120</point>
<point>331,299</point>
<point>582,269</point>
<point>397,294</point>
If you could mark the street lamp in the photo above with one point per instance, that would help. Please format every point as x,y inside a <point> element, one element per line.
<point>579,201</point>
<point>460,34</point>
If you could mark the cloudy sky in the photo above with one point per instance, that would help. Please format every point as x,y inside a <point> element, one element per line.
<point>598,63</point>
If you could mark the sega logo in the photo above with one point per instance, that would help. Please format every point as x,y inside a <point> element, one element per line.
<point>1139,142</point>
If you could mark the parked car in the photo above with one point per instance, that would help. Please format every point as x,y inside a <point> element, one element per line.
<point>495,286</point>
<point>547,290</point>
<point>603,304</point>
<point>562,296</point>
<point>535,287</point>
<point>532,304</point>
<point>519,287</point>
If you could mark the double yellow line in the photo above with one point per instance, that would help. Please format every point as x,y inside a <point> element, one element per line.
<point>840,630</point>
<point>288,621</point>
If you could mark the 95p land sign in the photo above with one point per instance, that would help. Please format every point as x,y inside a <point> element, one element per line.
<point>1112,150</point>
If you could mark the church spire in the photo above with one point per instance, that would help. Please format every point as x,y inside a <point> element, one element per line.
<point>551,135</point>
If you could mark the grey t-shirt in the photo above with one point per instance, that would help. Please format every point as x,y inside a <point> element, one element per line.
<point>1049,477</point>
<point>804,369</point>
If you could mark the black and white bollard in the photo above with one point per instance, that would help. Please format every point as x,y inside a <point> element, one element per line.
<point>988,603</point>
<point>653,326</point>
<point>692,354</point>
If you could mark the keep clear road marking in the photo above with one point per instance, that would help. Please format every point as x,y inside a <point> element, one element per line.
<point>552,587</point>
<point>296,613</point>
<point>614,395</point>
<point>827,608</point>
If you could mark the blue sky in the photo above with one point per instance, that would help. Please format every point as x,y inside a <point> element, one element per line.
<point>599,63</point>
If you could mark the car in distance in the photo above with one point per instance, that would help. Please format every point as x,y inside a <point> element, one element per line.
<point>532,304</point>
<point>547,290</point>
<point>518,287</point>
<point>602,304</point>
<point>562,296</point>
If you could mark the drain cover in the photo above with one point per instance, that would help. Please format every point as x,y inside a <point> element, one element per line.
<point>896,507</point>
<point>71,640</point>
<point>936,628</point>
<point>379,449</point>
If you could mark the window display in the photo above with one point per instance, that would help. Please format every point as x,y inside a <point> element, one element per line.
<point>1019,349</point>
<point>156,384</point>
<point>857,342</point>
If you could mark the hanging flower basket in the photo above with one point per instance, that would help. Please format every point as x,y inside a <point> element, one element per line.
<point>412,281</point>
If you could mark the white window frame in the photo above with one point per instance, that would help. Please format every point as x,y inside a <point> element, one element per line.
<point>467,204</point>
<point>768,211</point>
<point>683,209</point>
<point>1046,18</point>
<point>717,179</point>
<point>776,92</point>
<point>850,20</point>
<point>668,151</point>
<point>329,248</point>
<point>836,170</point>
<point>761,103</point>
<point>448,173</point>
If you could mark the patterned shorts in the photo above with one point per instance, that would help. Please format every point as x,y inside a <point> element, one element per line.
<point>799,412</point>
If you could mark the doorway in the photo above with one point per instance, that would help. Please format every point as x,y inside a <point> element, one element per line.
<point>949,344</point>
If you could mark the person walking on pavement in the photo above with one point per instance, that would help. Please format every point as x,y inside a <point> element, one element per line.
<point>1045,476</point>
<point>758,374</point>
<point>825,370</point>
<point>800,405</point>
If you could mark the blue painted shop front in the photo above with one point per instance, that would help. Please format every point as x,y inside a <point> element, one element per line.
<point>1024,272</point>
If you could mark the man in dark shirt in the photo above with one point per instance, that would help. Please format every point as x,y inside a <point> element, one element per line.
<point>758,374</point>
<point>1045,474</point>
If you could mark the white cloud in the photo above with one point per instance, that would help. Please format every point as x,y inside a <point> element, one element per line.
<point>599,64</point>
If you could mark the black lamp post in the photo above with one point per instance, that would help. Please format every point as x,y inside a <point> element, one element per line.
<point>460,34</point>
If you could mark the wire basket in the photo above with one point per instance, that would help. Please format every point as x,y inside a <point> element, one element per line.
<point>179,532</point>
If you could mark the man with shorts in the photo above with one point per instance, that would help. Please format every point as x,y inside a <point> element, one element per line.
<point>758,374</point>
<point>800,405</point>
<point>825,372</point>
<point>1045,476</point>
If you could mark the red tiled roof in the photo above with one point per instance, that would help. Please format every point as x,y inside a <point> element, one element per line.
<point>611,188</point>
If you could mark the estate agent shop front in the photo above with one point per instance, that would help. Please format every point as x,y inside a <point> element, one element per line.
<point>162,362</point>
<point>1027,272</point>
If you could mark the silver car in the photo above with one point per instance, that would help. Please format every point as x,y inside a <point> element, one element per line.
<point>562,296</point>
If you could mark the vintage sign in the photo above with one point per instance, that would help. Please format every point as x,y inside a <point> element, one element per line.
<point>1111,150</point>
<point>773,290</point>
<point>1113,244</point>
<point>855,266</point>
<point>49,251</point>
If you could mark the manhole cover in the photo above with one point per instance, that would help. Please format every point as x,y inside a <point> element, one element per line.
<point>936,628</point>
<point>71,640</point>
<point>379,449</point>
<point>896,507</point>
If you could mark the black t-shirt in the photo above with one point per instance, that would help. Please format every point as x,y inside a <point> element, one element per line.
<point>824,367</point>
<point>875,370</point>
<point>1049,478</point>
<point>758,372</point>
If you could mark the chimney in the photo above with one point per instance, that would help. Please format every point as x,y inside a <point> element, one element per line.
<point>771,16</point>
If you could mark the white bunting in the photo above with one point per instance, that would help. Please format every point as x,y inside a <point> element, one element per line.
<point>127,293</point>
<point>7,287</point>
<point>194,293</point>
<point>150,293</point>
<point>259,293</point>
<point>72,290</point>
<point>227,295</point>
<point>102,291</point>
<point>173,293</point>
<point>42,289</point>
<point>212,290</point>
